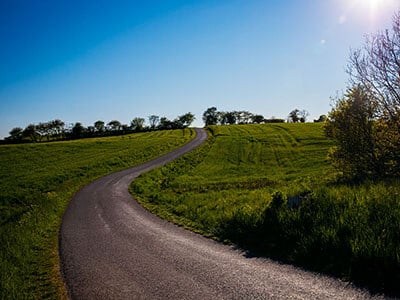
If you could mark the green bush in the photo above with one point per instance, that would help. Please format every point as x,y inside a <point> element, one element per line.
<point>352,124</point>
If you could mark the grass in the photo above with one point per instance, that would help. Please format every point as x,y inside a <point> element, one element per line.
<point>270,189</point>
<point>36,183</point>
<point>237,169</point>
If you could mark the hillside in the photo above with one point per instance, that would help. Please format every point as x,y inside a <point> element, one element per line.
<point>238,169</point>
<point>271,190</point>
<point>36,183</point>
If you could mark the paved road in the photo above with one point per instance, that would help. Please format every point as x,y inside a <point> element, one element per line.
<point>112,248</point>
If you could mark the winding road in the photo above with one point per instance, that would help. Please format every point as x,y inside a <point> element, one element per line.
<point>112,248</point>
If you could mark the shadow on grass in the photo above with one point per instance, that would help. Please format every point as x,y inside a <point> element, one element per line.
<point>317,236</point>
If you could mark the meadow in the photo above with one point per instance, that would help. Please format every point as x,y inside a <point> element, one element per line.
<point>271,190</point>
<point>36,183</point>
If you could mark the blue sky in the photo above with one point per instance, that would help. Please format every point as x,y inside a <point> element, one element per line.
<point>83,61</point>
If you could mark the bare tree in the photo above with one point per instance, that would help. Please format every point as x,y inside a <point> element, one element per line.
<point>153,121</point>
<point>376,66</point>
<point>303,115</point>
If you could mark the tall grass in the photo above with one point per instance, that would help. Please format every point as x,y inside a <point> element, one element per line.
<point>348,231</point>
<point>36,183</point>
<point>270,189</point>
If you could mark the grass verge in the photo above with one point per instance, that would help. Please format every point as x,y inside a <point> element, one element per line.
<point>36,183</point>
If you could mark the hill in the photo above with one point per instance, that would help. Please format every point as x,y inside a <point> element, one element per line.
<point>270,189</point>
<point>36,183</point>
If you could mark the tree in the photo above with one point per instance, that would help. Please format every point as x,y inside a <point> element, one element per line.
<point>229,118</point>
<point>210,116</point>
<point>43,129</point>
<point>137,124</point>
<point>257,119</point>
<point>321,119</point>
<point>57,128</point>
<point>165,123</point>
<point>91,130</point>
<point>303,115</point>
<point>15,134</point>
<point>376,67</point>
<point>294,116</point>
<point>125,128</point>
<point>153,121</point>
<point>77,131</point>
<point>245,117</point>
<point>242,116</point>
<point>114,125</point>
<point>99,126</point>
<point>353,124</point>
<point>30,132</point>
<point>186,120</point>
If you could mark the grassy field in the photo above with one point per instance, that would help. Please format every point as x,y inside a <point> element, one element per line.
<point>270,189</point>
<point>36,183</point>
<point>238,169</point>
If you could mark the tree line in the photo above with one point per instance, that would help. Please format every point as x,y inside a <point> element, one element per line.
<point>214,117</point>
<point>57,130</point>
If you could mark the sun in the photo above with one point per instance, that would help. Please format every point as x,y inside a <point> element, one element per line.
<point>374,5</point>
<point>378,5</point>
<point>371,13</point>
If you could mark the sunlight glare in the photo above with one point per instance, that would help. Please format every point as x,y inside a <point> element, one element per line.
<point>375,12</point>
<point>374,5</point>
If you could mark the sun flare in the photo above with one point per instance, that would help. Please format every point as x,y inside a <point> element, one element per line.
<point>371,11</point>
<point>375,4</point>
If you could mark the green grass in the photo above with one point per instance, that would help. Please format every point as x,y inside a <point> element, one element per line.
<point>238,169</point>
<point>270,189</point>
<point>36,183</point>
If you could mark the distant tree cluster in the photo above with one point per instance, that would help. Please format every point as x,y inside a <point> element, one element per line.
<point>36,133</point>
<point>298,115</point>
<point>178,123</point>
<point>57,130</point>
<point>366,121</point>
<point>321,119</point>
<point>214,117</point>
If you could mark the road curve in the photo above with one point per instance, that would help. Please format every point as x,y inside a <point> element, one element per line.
<point>112,248</point>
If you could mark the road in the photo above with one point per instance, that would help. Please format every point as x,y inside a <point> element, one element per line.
<point>112,248</point>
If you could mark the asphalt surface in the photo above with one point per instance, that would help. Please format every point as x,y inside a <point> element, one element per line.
<point>112,248</point>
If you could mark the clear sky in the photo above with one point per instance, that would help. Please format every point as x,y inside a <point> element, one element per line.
<point>83,61</point>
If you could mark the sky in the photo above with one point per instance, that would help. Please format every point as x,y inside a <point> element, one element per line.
<point>83,61</point>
